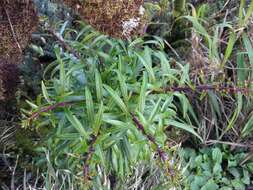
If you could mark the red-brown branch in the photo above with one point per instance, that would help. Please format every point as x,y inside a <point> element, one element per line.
<point>47,109</point>
<point>88,157</point>
<point>162,154</point>
<point>205,88</point>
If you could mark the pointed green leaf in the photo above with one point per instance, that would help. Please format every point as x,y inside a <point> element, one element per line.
<point>116,99</point>
<point>99,85</point>
<point>142,97</point>
<point>148,67</point>
<point>89,105</point>
<point>44,92</point>
<point>76,123</point>
<point>185,127</point>
<point>123,86</point>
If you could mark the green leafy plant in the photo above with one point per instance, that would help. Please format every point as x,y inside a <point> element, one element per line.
<point>114,114</point>
<point>107,109</point>
<point>216,168</point>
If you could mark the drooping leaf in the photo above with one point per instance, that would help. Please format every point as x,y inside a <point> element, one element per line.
<point>185,127</point>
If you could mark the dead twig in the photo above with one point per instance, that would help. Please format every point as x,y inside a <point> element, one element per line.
<point>12,29</point>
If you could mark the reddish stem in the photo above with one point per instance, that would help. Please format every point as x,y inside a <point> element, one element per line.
<point>162,154</point>
<point>88,157</point>
<point>47,109</point>
<point>202,88</point>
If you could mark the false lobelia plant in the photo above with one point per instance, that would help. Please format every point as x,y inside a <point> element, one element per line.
<point>101,112</point>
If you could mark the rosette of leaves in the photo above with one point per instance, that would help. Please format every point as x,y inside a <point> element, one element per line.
<point>18,19</point>
<point>117,18</point>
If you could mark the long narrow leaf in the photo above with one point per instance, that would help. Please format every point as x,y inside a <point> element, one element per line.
<point>185,127</point>
<point>76,124</point>
<point>89,105</point>
<point>116,99</point>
